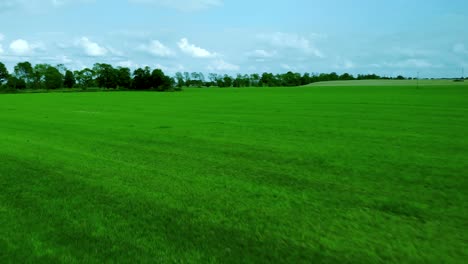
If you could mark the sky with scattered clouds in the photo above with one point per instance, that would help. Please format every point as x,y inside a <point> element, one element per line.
<point>238,36</point>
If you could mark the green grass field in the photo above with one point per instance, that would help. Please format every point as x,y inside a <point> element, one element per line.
<point>393,83</point>
<point>334,174</point>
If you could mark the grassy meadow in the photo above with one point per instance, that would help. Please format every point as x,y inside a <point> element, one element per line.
<point>358,173</point>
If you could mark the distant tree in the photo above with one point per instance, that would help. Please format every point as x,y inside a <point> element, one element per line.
<point>69,80</point>
<point>180,79</point>
<point>3,73</point>
<point>333,76</point>
<point>84,78</point>
<point>201,78</point>
<point>227,81</point>
<point>268,79</point>
<point>124,77</point>
<point>237,82</point>
<point>195,79</point>
<point>16,83</point>
<point>106,75</point>
<point>61,68</point>
<point>399,77</point>
<point>39,72</point>
<point>159,81</point>
<point>141,79</point>
<point>24,71</point>
<point>290,79</point>
<point>368,77</point>
<point>187,79</point>
<point>53,78</point>
<point>213,77</point>
<point>346,77</point>
<point>255,79</point>
<point>220,81</point>
<point>306,79</point>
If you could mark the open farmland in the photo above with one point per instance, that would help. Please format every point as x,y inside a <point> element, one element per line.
<point>336,174</point>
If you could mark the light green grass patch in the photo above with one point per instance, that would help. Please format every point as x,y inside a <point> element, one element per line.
<point>393,83</point>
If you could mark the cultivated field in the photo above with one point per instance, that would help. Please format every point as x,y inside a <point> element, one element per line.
<point>332,174</point>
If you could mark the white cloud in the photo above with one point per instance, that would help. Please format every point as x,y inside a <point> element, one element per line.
<point>156,48</point>
<point>128,64</point>
<point>23,47</point>
<point>259,53</point>
<point>221,65</point>
<point>292,41</point>
<point>64,59</point>
<point>20,47</point>
<point>459,48</point>
<point>2,37</point>
<point>286,66</point>
<point>91,48</point>
<point>170,69</point>
<point>183,5</point>
<point>193,50</point>
<point>114,51</point>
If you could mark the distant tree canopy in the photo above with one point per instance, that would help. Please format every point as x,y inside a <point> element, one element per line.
<point>265,79</point>
<point>69,80</point>
<point>105,76</point>
<point>102,75</point>
<point>3,73</point>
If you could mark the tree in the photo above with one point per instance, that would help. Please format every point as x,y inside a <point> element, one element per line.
<point>69,80</point>
<point>201,78</point>
<point>53,78</point>
<point>39,76</point>
<point>106,76</point>
<point>3,73</point>
<point>268,79</point>
<point>255,79</point>
<point>159,81</point>
<point>124,77</point>
<point>84,78</point>
<point>306,79</point>
<point>346,77</point>
<point>24,71</point>
<point>61,68</point>
<point>290,79</point>
<point>16,83</point>
<point>213,77</point>
<point>141,79</point>
<point>195,79</point>
<point>227,80</point>
<point>180,79</point>
<point>334,76</point>
<point>237,82</point>
<point>187,80</point>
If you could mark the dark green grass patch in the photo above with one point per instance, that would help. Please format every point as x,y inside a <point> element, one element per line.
<point>284,175</point>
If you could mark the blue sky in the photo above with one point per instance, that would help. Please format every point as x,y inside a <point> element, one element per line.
<point>238,36</point>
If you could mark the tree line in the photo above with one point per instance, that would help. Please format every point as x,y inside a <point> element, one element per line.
<point>102,75</point>
<point>198,79</point>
